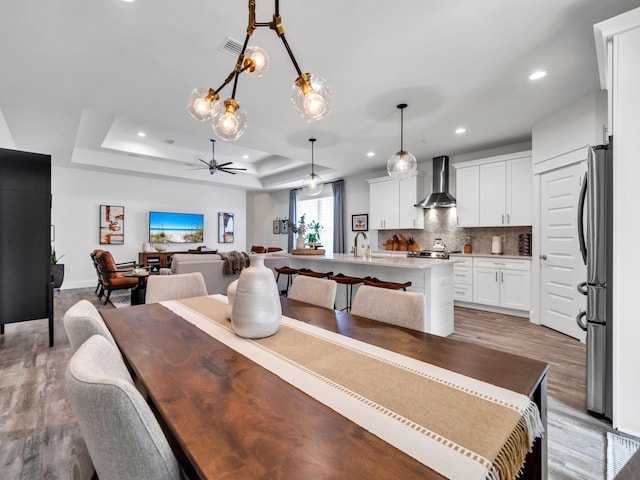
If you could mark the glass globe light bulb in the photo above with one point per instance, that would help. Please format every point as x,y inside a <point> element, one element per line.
<point>201,102</point>
<point>256,61</point>
<point>229,121</point>
<point>311,97</point>
<point>314,105</point>
<point>312,184</point>
<point>401,164</point>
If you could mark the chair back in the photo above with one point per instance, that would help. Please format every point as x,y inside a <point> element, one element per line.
<point>317,291</point>
<point>122,435</point>
<point>106,263</point>
<point>396,307</point>
<point>81,322</point>
<point>173,287</point>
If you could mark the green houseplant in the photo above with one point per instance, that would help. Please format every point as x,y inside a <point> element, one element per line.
<point>57,269</point>
<point>314,232</point>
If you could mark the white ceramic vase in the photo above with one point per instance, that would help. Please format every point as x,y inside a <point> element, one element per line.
<point>231,294</point>
<point>256,310</point>
<point>300,242</point>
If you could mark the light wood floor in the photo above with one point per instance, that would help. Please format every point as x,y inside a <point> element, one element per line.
<point>39,438</point>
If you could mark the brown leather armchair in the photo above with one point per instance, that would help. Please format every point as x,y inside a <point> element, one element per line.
<point>111,274</point>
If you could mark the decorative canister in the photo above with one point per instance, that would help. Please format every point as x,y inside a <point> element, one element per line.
<point>256,310</point>
<point>468,248</point>
<point>231,294</point>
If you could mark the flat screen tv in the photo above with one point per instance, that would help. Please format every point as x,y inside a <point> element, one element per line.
<point>167,227</point>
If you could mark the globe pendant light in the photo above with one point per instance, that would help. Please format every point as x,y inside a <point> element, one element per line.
<point>229,121</point>
<point>312,184</point>
<point>402,163</point>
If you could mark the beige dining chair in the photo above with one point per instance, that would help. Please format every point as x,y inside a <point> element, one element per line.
<point>122,435</point>
<point>396,307</point>
<point>318,291</point>
<point>81,322</point>
<point>173,287</point>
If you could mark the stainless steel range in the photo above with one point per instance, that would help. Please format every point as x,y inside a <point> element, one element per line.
<point>429,254</point>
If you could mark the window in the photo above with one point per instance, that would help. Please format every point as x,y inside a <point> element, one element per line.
<point>319,209</point>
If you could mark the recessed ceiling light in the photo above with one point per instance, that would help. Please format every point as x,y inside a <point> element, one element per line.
<point>371,154</point>
<point>141,134</point>
<point>128,1</point>
<point>245,157</point>
<point>537,75</point>
<point>460,130</point>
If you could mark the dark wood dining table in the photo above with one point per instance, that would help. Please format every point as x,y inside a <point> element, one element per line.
<point>227,417</point>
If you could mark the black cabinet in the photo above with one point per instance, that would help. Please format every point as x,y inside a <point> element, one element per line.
<point>26,289</point>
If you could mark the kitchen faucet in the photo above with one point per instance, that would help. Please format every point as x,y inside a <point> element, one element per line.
<point>355,241</point>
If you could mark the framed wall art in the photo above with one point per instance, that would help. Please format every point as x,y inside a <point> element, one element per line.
<point>111,225</point>
<point>360,222</point>
<point>276,226</point>
<point>284,226</point>
<point>225,227</point>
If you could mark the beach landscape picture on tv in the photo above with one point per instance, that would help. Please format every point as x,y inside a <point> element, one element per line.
<point>168,227</point>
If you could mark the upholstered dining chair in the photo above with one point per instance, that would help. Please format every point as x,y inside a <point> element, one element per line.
<point>81,322</point>
<point>122,435</point>
<point>397,307</point>
<point>112,274</point>
<point>172,287</point>
<point>318,291</point>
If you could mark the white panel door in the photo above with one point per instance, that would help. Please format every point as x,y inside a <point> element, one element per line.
<point>561,264</point>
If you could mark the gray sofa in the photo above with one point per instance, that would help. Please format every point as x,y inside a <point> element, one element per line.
<point>212,268</point>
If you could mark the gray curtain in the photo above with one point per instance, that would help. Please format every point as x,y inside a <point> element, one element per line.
<point>292,218</point>
<point>338,216</point>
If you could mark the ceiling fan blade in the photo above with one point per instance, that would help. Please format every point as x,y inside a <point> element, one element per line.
<point>227,171</point>
<point>206,163</point>
<point>224,164</point>
<point>233,168</point>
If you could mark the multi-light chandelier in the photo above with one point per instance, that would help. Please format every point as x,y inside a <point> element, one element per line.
<point>310,93</point>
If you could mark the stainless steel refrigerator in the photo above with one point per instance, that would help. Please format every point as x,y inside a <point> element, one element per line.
<point>595,208</point>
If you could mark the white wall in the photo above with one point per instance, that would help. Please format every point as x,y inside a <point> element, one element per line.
<point>266,207</point>
<point>78,194</point>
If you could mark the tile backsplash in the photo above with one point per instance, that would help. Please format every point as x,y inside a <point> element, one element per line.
<point>441,223</point>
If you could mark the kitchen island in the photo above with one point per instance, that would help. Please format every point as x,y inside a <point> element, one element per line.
<point>434,278</point>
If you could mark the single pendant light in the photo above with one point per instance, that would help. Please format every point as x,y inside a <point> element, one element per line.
<point>312,184</point>
<point>402,163</point>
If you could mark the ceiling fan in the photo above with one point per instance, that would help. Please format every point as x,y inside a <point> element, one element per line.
<point>214,166</point>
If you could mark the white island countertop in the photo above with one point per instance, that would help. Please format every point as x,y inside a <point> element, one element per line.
<point>381,261</point>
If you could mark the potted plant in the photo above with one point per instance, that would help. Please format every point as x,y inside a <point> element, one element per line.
<point>57,269</point>
<point>299,229</point>
<point>313,237</point>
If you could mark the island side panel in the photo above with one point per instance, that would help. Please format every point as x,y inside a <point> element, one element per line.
<point>435,282</point>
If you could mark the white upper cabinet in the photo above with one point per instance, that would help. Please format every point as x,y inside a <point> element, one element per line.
<point>495,192</point>
<point>519,193</point>
<point>391,203</point>
<point>468,196</point>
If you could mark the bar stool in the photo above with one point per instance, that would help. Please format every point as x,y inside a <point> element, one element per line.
<point>289,272</point>
<point>349,282</point>
<point>374,282</point>
<point>310,273</point>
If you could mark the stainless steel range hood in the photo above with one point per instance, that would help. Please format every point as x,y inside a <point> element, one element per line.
<point>440,198</point>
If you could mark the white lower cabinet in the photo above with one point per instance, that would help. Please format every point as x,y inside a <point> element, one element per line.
<point>462,278</point>
<point>502,282</point>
